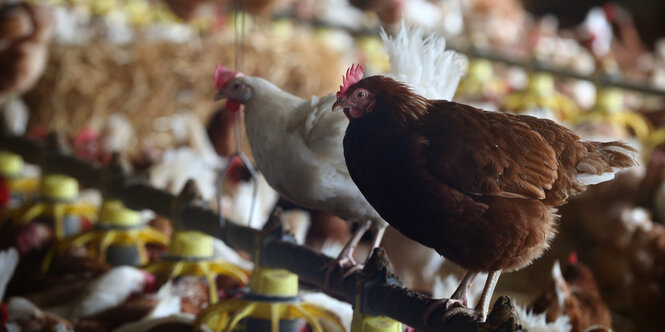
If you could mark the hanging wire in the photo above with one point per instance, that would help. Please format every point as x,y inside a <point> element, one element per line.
<point>239,46</point>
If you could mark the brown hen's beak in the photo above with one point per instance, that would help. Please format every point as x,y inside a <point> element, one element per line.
<point>221,94</point>
<point>338,106</point>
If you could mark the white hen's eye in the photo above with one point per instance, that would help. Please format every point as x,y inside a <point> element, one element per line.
<point>360,94</point>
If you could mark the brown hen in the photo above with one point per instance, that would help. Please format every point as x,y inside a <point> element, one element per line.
<point>478,187</point>
<point>574,293</point>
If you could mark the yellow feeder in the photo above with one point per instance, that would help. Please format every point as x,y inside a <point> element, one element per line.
<point>57,200</point>
<point>609,109</point>
<point>480,83</point>
<point>540,94</point>
<point>118,227</point>
<point>20,189</point>
<point>369,323</point>
<point>272,303</point>
<point>191,253</point>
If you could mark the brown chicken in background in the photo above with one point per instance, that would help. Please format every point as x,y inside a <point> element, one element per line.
<point>25,30</point>
<point>478,187</point>
<point>573,292</point>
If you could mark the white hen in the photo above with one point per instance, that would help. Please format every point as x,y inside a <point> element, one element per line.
<point>106,292</point>
<point>297,143</point>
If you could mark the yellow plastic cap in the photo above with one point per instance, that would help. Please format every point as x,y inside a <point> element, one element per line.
<point>367,323</point>
<point>115,213</point>
<point>58,186</point>
<point>274,282</point>
<point>191,244</point>
<point>541,83</point>
<point>480,69</point>
<point>10,164</point>
<point>609,100</point>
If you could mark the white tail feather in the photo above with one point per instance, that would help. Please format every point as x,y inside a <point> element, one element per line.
<point>423,63</point>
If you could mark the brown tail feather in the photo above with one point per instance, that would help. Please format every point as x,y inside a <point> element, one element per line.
<point>602,160</point>
<point>617,154</point>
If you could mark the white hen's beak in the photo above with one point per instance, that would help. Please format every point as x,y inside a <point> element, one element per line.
<point>221,94</point>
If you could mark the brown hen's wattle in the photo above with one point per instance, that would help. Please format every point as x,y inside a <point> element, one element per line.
<point>478,187</point>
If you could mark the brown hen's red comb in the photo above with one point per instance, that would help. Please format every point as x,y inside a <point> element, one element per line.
<point>353,76</point>
<point>223,76</point>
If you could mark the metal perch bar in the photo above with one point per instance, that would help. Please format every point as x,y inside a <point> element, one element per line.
<point>188,212</point>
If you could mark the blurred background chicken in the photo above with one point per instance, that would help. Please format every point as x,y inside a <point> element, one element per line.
<point>25,33</point>
<point>573,292</point>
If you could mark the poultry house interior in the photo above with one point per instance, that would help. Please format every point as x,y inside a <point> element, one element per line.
<point>332,165</point>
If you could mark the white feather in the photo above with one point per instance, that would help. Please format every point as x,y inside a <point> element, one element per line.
<point>445,286</point>
<point>589,179</point>
<point>297,222</point>
<point>167,302</point>
<point>423,63</point>
<point>237,201</point>
<point>538,322</point>
<point>106,292</point>
<point>8,261</point>
<point>221,250</point>
<point>15,114</point>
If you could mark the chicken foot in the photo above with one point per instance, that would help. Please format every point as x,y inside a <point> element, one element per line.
<point>345,260</point>
<point>459,299</point>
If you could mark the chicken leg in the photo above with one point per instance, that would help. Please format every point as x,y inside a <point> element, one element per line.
<point>459,298</point>
<point>345,260</point>
<point>484,303</point>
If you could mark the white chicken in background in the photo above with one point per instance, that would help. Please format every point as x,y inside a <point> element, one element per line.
<point>596,31</point>
<point>117,134</point>
<point>444,16</point>
<point>26,316</point>
<point>197,160</point>
<point>238,196</point>
<point>297,143</point>
<point>108,291</point>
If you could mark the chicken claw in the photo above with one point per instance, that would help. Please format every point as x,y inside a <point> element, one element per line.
<point>459,299</point>
<point>450,306</point>
<point>345,261</point>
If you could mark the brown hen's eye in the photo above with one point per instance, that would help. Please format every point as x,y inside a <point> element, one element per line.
<point>236,86</point>
<point>360,94</point>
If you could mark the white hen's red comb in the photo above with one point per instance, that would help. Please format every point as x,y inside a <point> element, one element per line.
<point>353,76</point>
<point>223,76</point>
